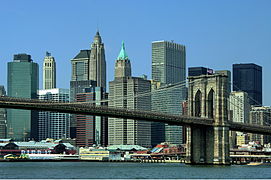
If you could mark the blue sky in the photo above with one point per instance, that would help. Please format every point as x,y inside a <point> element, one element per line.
<point>216,33</point>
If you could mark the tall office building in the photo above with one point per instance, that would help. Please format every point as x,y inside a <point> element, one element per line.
<point>239,107</point>
<point>248,78</point>
<point>239,112</point>
<point>260,116</point>
<point>92,129</point>
<point>23,81</point>
<point>97,64</point>
<point>54,124</point>
<point>80,66</point>
<point>88,70</point>
<point>123,93</point>
<point>3,116</point>
<point>49,72</point>
<point>168,68</point>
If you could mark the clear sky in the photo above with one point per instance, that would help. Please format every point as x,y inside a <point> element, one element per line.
<point>216,34</point>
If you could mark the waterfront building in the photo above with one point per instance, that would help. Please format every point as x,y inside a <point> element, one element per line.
<point>248,78</point>
<point>92,130</point>
<point>3,116</point>
<point>123,93</point>
<point>49,72</point>
<point>197,71</point>
<point>41,149</point>
<point>54,125</point>
<point>168,68</point>
<point>23,81</point>
<point>260,116</point>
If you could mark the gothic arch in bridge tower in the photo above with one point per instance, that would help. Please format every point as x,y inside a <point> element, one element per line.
<point>211,103</point>
<point>198,100</point>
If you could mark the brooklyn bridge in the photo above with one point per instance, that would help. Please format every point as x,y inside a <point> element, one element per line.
<point>207,120</point>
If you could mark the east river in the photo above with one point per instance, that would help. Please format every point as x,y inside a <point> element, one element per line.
<point>81,170</point>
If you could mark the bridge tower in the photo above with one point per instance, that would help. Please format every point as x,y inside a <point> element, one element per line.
<point>207,97</point>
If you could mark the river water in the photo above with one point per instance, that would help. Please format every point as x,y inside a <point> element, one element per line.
<point>81,170</point>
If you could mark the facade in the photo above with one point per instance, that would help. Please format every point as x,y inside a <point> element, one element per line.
<point>197,71</point>
<point>23,81</point>
<point>123,93</point>
<point>49,72</point>
<point>240,107</point>
<point>91,130</point>
<point>3,116</point>
<point>168,68</point>
<point>80,66</point>
<point>97,64</point>
<point>239,112</point>
<point>260,116</point>
<point>248,78</point>
<point>54,125</point>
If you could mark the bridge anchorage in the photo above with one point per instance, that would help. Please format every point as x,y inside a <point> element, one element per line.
<point>207,98</point>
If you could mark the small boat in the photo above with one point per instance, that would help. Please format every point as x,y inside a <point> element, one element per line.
<point>255,163</point>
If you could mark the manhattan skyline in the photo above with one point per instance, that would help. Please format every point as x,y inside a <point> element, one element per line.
<point>216,34</point>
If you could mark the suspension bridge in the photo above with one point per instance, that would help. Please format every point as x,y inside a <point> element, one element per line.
<point>207,120</point>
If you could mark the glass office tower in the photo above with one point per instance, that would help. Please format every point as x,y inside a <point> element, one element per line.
<point>23,81</point>
<point>248,78</point>
<point>168,68</point>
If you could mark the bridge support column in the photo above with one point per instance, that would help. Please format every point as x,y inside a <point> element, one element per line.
<point>207,98</point>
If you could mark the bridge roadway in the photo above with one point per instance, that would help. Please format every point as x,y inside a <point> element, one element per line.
<point>88,109</point>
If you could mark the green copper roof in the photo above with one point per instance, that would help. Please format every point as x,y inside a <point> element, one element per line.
<point>122,55</point>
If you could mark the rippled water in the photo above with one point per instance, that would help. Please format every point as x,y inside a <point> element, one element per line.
<point>54,170</point>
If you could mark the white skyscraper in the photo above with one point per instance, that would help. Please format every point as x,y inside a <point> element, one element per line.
<point>239,106</point>
<point>49,72</point>
<point>54,124</point>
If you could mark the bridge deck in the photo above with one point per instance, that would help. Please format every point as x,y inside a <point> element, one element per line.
<point>75,108</point>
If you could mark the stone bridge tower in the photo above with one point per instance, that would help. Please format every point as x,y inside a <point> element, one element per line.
<point>207,97</point>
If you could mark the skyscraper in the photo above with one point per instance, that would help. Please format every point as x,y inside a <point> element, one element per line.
<point>248,78</point>
<point>92,129</point>
<point>97,64</point>
<point>54,124</point>
<point>80,66</point>
<point>3,116</point>
<point>23,81</point>
<point>123,93</point>
<point>88,70</point>
<point>49,72</point>
<point>168,68</point>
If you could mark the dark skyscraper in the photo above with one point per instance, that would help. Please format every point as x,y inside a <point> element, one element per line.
<point>23,81</point>
<point>248,78</point>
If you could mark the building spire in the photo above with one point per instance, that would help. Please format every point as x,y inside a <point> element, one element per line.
<point>122,55</point>
<point>97,38</point>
